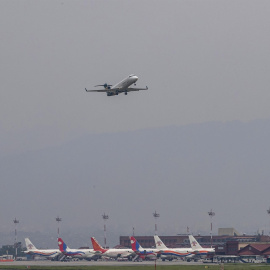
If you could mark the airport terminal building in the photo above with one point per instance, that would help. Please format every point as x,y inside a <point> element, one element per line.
<point>227,242</point>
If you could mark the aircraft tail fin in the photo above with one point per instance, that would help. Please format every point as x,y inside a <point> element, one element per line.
<point>194,243</point>
<point>29,244</point>
<point>62,246</point>
<point>159,243</point>
<point>135,244</point>
<point>96,245</point>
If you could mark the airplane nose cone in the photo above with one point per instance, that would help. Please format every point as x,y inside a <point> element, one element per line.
<point>135,77</point>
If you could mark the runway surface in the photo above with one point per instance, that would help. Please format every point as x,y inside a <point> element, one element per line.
<point>98,263</point>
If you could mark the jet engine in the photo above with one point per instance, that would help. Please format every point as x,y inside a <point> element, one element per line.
<point>105,85</point>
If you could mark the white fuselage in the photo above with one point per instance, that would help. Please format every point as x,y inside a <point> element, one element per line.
<point>32,250</point>
<point>198,250</point>
<point>171,253</point>
<point>203,252</point>
<point>175,253</point>
<point>124,84</point>
<point>50,253</point>
<point>118,253</point>
<point>80,253</point>
<point>147,253</point>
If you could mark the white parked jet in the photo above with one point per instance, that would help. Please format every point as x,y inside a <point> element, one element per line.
<point>143,253</point>
<point>87,254</point>
<point>166,253</point>
<point>114,253</point>
<point>121,87</point>
<point>32,250</point>
<point>198,250</point>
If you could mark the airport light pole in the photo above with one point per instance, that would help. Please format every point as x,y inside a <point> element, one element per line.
<point>211,215</point>
<point>58,220</point>
<point>105,217</point>
<point>16,221</point>
<point>156,215</point>
<point>133,231</point>
<point>268,211</point>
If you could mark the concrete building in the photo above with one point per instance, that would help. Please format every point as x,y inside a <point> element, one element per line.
<point>228,242</point>
<point>255,249</point>
<point>148,241</point>
<point>241,248</point>
<point>228,232</point>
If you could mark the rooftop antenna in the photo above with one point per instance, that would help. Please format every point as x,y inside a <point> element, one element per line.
<point>211,215</point>
<point>16,221</point>
<point>156,215</point>
<point>58,220</point>
<point>105,217</point>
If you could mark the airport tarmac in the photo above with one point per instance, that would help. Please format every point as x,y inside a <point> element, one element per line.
<point>94,263</point>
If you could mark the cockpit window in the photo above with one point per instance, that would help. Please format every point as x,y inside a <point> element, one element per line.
<point>131,75</point>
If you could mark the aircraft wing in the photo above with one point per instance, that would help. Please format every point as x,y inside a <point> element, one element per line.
<point>97,90</point>
<point>136,89</point>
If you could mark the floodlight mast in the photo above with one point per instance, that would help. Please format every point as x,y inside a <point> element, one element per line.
<point>16,221</point>
<point>105,217</point>
<point>58,220</point>
<point>211,215</point>
<point>268,211</point>
<point>156,215</point>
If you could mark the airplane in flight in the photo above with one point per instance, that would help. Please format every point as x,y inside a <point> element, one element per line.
<point>166,253</point>
<point>121,87</point>
<point>198,250</point>
<point>114,253</point>
<point>32,250</point>
<point>87,254</point>
<point>143,253</point>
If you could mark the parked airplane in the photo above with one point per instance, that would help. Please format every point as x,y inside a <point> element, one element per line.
<point>121,87</point>
<point>112,252</point>
<point>166,253</point>
<point>32,250</point>
<point>87,254</point>
<point>198,250</point>
<point>143,253</point>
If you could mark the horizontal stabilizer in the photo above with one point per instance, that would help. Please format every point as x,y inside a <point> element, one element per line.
<point>97,90</point>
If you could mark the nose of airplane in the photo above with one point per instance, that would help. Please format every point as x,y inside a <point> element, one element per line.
<point>135,77</point>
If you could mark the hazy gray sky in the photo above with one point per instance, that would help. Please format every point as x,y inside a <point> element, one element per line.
<point>203,61</point>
